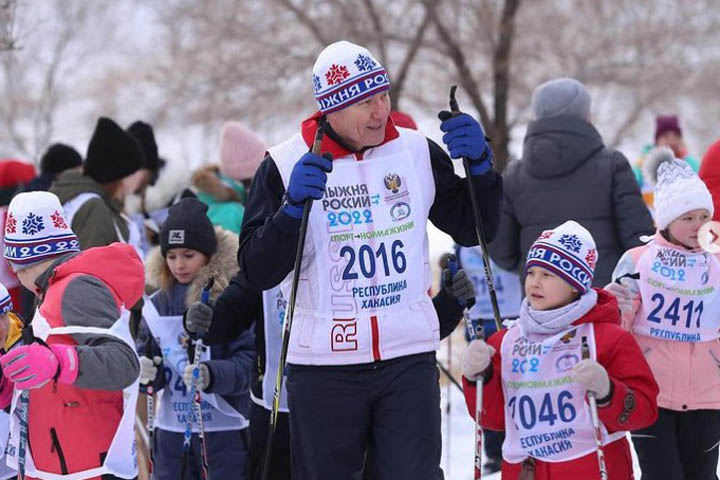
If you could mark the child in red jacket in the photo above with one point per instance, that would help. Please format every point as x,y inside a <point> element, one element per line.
<point>536,383</point>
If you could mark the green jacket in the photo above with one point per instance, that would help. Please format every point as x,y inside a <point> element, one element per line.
<point>98,220</point>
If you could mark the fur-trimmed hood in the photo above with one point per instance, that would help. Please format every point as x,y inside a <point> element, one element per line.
<point>222,266</point>
<point>208,179</point>
<point>173,178</point>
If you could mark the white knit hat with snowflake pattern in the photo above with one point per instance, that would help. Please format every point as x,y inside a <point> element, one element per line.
<point>35,229</point>
<point>569,252</point>
<point>678,189</point>
<point>344,74</point>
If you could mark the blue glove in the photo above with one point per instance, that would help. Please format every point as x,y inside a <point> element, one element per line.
<point>307,182</point>
<point>464,137</point>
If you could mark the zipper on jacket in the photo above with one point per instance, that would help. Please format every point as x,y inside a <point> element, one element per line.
<point>56,447</point>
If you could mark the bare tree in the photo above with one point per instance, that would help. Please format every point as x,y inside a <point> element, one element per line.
<point>56,41</point>
<point>7,25</point>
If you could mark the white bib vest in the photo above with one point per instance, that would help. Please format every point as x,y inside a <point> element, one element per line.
<point>121,459</point>
<point>5,471</point>
<point>134,239</point>
<point>507,286</point>
<point>362,294</point>
<point>679,295</point>
<point>546,414</point>
<point>274,307</point>
<point>174,402</point>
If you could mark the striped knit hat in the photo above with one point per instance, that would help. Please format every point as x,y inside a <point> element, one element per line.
<point>35,229</point>
<point>569,252</point>
<point>344,74</point>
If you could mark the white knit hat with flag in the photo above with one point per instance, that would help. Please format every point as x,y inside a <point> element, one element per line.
<point>569,252</point>
<point>678,189</point>
<point>344,74</point>
<point>35,229</point>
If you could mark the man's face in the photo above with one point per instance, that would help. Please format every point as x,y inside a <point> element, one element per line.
<point>363,124</point>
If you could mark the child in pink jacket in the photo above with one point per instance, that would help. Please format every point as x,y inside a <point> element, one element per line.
<point>668,296</point>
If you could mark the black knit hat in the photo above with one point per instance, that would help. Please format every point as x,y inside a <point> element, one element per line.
<point>58,158</point>
<point>112,154</point>
<point>187,226</point>
<point>143,133</point>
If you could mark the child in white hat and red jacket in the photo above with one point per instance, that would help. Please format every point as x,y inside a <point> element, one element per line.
<point>75,377</point>
<point>668,294</point>
<point>535,381</point>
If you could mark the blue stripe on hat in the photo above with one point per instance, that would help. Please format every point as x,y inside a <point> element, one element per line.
<point>353,91</point>
<point>566,266</point>
<point>35,250</point>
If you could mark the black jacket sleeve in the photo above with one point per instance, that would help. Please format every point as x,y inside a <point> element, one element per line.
<point>449,313</point>
<point>269,236</point>
<point>237,307</point>
<point>505,249</point>
<point>451,211</point>
<point>632,218</point>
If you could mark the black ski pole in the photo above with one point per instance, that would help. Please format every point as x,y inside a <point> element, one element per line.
<point>28,338</point>
<point>287,324</point>
<point>479,228</point>
<point>150,403</point>
<point>449,375</point>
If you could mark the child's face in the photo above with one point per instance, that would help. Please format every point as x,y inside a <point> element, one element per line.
<point>185,263</point>
<point>684,229</point>
<point>547,291</point>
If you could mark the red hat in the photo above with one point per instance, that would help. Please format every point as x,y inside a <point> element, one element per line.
<point>14,173</point>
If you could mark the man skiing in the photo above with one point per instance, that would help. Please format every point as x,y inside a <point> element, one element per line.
<point>361,372</point>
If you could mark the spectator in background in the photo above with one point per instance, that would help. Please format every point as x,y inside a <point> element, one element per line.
<point>14,175</point>
<point>241,152</point>
<point>56,159</point>
<point>567,173</point>
<point>224,188</point>
<point>710,174</point>
<point>667,134</point>
<point>93,199</point>
<point>137,208</point>
<point>223,195</point>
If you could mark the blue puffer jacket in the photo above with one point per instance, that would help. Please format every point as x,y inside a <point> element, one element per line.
<point>231,362</point>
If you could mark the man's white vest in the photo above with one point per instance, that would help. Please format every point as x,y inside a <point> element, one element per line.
<point>363,291</point>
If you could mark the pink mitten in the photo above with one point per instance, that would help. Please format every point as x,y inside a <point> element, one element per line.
<point>32,366</point>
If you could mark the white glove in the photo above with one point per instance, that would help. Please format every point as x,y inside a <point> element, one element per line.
<point>593,377</point>
<point>148,369</point>
<point>476,359</point>
<point>625,296</point>
<point>203,376</point>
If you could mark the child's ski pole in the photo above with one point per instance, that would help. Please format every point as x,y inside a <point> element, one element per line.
<point>150,402</point>
<point>475,332</point>
<point>585,352</point>
<point>196,401</point>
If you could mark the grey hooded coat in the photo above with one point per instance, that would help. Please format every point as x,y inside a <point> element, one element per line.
<point>567,173</point>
